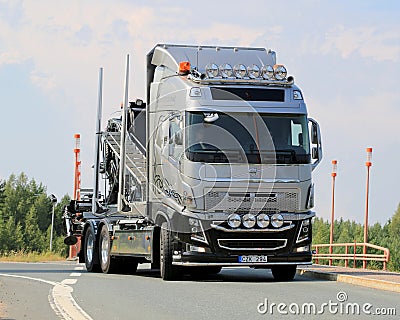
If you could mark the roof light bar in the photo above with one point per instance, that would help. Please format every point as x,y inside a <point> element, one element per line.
<point>267,74</point>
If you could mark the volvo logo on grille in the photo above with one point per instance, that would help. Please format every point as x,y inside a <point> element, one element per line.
<point>253,172</point>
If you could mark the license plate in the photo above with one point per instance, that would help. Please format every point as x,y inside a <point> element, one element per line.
<point>253,259</point>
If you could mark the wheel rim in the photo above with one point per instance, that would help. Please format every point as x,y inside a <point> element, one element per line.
<point>104,250</point>
<point>89,248</point>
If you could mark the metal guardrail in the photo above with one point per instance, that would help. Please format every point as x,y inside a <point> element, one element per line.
<point>351,253</point>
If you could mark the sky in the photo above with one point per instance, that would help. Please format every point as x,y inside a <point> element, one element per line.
<point>344,55</point>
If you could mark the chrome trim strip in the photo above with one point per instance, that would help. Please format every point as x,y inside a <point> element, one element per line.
<point>209,179</point>
<point>217,227</point>
<point>237,264</point>
<point>252,249</point>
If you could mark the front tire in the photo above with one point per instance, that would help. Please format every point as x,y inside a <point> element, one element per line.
<point>284,273</point>
<point>167,269</point>
<point>90,252</point>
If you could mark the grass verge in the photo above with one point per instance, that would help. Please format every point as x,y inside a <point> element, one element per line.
<point>31,257</point>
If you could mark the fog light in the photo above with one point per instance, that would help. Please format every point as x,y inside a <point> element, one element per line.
<point>262,220</point>
<point>277,220</point>
<point>280,72</point>
<point>212,70</point>
<point>234,220</point>
<point>302,249</point>
<point>249,220</point>
<point>240,71</point>
<point>253,71</point>
<point>197,249</point>
<point>267,72</point>
<point>226,70</point>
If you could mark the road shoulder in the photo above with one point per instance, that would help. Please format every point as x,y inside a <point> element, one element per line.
<point>381,280</point>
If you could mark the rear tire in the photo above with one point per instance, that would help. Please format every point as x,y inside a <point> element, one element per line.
<point>167,270</point>
<point>90,252</point>
<point>284,273</point>
<point>107,263</point>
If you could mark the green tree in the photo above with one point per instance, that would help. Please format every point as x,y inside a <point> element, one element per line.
<point>33,237</point>
<point>43,207</point>
<point>19,196</point>
<point>25,216</point>
<point>321,231</point>
<point>12,236</point>
<point>394,241</point>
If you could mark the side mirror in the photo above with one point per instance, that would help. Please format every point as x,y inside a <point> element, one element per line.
<point>179,138</point>
<point>315,137</point>
<point>314,133</point>
<point>315,153</point>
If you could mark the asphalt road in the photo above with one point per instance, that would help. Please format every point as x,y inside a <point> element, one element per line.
<point>67,291</point>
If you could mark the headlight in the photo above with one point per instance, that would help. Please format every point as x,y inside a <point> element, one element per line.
<point>277,220</point>
<point>226,70</point>
<point>240,71</point>
<point>234,220</point>
<point>310,197</point>
<point>267,72</point>
<point>249,220</point>
<point>280,72</point>
<point>304,232</point>
<point>253,71</point>
<point>262,220</point>
<point>212,70</point>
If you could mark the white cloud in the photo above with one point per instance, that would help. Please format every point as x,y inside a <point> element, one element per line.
<point>367,41</point>
<point>44,81</point>
<point>66,42</point>
<point>11,57</point>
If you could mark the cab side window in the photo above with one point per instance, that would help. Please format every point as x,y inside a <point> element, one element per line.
<point>175,137</point>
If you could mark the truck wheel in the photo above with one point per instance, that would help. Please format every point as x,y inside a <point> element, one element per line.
<point>107,264</point>
<point>284,273</point>
<point>90,252</point>
<point>167,270</point>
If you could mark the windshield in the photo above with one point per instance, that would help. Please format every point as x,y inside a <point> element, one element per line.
<point>247,137</point>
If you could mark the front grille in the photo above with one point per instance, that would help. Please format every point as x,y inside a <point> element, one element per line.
<point>252,244</point>
<point>216,200</point>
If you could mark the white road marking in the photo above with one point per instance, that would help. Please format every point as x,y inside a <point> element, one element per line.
<point>60,299</point>
<point>79,268</point>
<point>75,274</point>
<point>69,281</point>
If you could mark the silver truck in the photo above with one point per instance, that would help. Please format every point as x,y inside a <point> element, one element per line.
<point>211,170</point>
